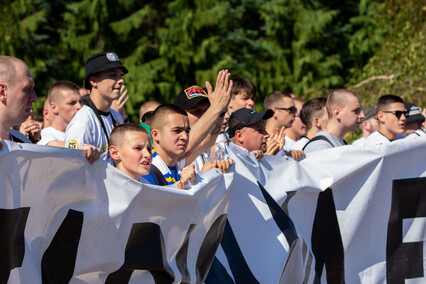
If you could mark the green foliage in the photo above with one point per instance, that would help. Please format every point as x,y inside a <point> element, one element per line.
<point>307,47</point>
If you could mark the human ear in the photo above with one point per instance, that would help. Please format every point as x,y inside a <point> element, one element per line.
<point>239,135</point>
<point>316,122</point>
<point>336,112</point>
<point>381,116</point>
<point>93,81</point>
<point>3,93</point>
<point>54,108</point>
<point>115,154</point>
<point>155,134</point>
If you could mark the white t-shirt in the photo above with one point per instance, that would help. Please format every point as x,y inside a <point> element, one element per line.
<point>288,145</point>
<point>318,145</point>
<point>50,134</point>
<point>359,142</point>
<point>376,139</point>
<point>17,136</point>
<point>300,143</point>
<point>85,128</point>
<point>416,134</point>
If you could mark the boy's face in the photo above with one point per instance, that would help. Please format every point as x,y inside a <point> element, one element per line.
<point>109,82</point>
<point>241,100</point>
<point>351,114</point>
<point>68,106</point>
<point>135,154</point>
<point>172,139</point>
<point>389,122</point>
<point>298,127</point>
<point>284,117</point>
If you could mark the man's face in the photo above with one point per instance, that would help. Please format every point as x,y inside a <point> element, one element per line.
<point>109,82</point>
<point>195,113</point>
<point>298,126</point>
<point>21,96</point>
<point>389,122</point>
<point>254,136</point>
<point>173,137</point>
<point>351,114</point>
<point>68,106</point>
<point>241,100</point>
<point>284,116</point>
<point>135,154</point>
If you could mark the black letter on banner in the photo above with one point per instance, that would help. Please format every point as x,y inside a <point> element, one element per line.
<point>145,250</point>
<point>209,247</point>
<point>12,245</point>
<point>281,218</point>
<point>405,260</point>
<point>181,257</point>
<point>327,244</point>
<point>58,262</point>
<point>239,267</point>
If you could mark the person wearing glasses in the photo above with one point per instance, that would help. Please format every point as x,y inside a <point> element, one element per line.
<point>344,115</point>
<point>284,115</point>
<point>297,129</point>
<point>284,111</point>
<point>369,125</point>
<point>391,114</point>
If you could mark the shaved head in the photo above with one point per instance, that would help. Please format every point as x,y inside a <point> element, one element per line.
<point>338,99</point>
<point>147,106</point>
<point>8,69</point>
<point>56,93</point>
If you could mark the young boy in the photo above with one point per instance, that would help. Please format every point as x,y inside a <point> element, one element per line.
<point>130,149</point>
<point>391,114</point>
<point>170,136</point>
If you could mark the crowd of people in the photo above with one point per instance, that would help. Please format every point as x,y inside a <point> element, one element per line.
<point>172,143</point>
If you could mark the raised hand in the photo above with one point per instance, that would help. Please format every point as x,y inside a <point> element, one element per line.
<point>118,104</point>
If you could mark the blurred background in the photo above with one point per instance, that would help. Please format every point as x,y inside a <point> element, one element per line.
<point>307,47</point>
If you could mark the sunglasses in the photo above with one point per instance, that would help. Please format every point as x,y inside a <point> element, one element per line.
<point>292,110</point>
<point>397,113</point>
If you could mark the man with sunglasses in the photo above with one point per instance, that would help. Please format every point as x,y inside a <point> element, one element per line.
<point>391,114</point>
<point>344,115</point>
<point>297,129</point>
<point>284,111</point>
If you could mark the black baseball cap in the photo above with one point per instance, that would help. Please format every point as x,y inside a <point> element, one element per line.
<point>101,61</point>
<point>246,117</point>
<point>190,97</point>
<point>414,112</point>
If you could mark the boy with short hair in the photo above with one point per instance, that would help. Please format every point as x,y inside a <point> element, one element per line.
<point>170,135</point>
<point>94,122</point>
<point>130,149</point>
<point>243,95</point>
<point>391,114</point>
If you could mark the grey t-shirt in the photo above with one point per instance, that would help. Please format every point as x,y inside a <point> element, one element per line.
<point>320,144</point>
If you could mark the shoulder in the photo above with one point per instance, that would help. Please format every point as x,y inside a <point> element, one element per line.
<point>117,116</point>
<point>300,143</point>
<point>321,141</point>
<point>376,139</point>
<point>49,134</point>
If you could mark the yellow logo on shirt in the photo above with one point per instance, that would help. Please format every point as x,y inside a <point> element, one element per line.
<point>72,144</point>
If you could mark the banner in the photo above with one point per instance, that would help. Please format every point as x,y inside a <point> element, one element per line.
<point>66,221</point>
<point>349,215</point>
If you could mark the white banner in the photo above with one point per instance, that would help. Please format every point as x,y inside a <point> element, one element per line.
<point>66,221</point>
<point>360,212</point>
